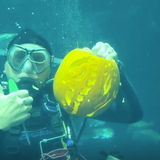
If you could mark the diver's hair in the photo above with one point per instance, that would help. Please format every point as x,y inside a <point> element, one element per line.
<point>30,36</point>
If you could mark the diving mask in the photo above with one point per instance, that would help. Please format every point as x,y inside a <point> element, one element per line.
<point>18,55</point>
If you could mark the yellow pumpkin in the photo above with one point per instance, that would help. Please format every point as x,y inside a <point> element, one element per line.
<point>86,85</point>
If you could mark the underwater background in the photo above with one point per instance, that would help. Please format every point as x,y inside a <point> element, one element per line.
<point>132,28</point>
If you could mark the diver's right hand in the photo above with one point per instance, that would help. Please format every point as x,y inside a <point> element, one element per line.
<point>14,108</point>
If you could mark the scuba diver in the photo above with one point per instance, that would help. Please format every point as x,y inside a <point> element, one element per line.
<point>32,124</point>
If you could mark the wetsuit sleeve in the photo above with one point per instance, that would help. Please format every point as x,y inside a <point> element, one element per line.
<point>126,108</point>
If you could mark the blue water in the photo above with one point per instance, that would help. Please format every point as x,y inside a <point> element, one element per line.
<point>132,27</point>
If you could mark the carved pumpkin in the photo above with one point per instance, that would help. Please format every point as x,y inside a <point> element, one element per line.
<point>86,85</point>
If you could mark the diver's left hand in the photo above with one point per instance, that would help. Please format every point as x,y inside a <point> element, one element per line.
<point>104,50</point>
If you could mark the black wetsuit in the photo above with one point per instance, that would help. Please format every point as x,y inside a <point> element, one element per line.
<point>42,126</point>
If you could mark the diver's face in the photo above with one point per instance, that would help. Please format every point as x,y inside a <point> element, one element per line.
<point>29,67</point>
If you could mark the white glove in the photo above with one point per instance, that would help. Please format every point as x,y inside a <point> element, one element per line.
<point>104,50</point>
<point>14,108</point>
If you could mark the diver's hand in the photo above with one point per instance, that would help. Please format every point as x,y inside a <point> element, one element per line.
<point>104,50</point>
<point>14,108</point>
